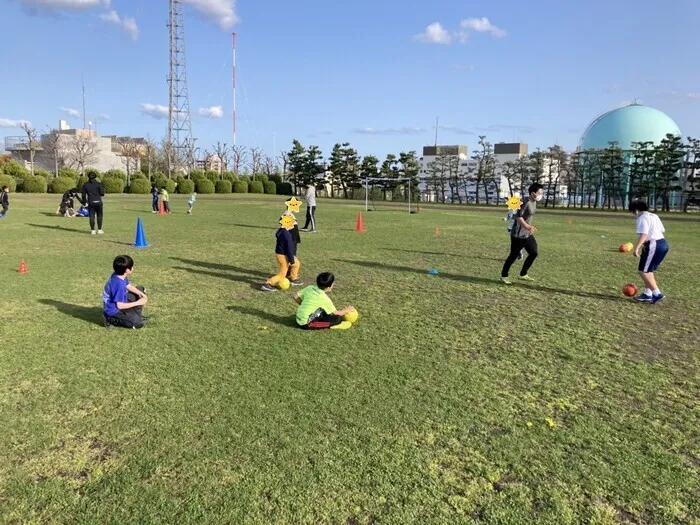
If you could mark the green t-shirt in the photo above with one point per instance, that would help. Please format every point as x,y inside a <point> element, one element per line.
<point>166,197</point>
<point>312,298</point>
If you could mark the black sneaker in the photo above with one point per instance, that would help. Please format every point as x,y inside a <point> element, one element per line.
<point>267,288</point>
<point>106,322</point>
<point>296,282</point>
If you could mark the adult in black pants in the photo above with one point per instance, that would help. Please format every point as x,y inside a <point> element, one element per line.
<point>522,235</point>
<point>93,192</point>
<point>310,197</point>
<point>154,197</point>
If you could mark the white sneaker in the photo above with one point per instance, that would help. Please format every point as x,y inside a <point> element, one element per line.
<point>100,232</point>
<point>93,232</point>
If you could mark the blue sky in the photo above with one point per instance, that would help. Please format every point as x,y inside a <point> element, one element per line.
<point>375,73</point>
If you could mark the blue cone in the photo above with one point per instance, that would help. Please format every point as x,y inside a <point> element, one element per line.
<point>140,241</point>
<point>432,272</point>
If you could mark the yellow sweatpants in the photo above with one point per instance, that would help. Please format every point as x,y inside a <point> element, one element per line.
<point>284,266</point>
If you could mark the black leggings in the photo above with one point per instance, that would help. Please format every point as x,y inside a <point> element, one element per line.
<point>129,318</point>
<point>530,246</point>
<point>310,217</point>
<point>95,209</point>
<point>323,321</point>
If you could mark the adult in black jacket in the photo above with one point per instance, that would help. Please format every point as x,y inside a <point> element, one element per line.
<point>93,192</point>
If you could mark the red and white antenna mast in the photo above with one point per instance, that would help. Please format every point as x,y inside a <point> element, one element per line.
<point>233,35</point>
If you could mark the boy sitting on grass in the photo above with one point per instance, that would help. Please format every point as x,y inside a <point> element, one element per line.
<point>316,310</point>
<point>122,302</point>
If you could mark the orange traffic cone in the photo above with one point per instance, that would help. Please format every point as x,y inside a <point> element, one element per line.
<point>161,208</point>
<point>360,227</point>
<point>22,267</point>
<point>437,231</point>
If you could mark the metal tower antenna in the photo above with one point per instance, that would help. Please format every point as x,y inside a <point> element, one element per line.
<point>233,35</point>
<point>179,123</point>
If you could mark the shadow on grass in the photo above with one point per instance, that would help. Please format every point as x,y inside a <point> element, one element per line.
<point>90,314</point>
<point>419,252</point>
<point>222,267</point>
<point>253,226</point>
<point>254,282</point>
<point>120,243</point>
<point>480,280</point>
<point>56,227</point>
<point>50,214</point>
<point>283,320</point>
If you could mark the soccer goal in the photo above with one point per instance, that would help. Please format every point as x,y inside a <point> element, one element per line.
<point>379,190</point>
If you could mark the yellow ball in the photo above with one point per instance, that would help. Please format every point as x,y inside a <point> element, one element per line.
<point>629,246</point>
<point>351,317</point>
<point>284,284</point>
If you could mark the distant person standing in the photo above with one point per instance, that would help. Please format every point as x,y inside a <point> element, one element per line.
<point>310,196</point>
<point>4,201</point>
<point>93,191</point>
<point>154,197</point>
<point>165,199</point>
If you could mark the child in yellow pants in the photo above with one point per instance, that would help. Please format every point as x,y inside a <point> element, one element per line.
<point>285,253</point>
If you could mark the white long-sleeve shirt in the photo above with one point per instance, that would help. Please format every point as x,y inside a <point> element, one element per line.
<point>311,196</point>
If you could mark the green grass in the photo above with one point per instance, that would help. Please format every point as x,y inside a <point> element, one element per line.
<point>454,399</point>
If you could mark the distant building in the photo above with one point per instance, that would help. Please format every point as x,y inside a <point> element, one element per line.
<point>107,152</point>
<point>496,189</point>
<point>210,163</point>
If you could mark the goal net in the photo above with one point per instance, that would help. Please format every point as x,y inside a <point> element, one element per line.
<point>388,194</point>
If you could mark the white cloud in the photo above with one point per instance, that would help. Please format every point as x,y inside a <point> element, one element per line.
<point>220,12</point>
<point>482,25</point>
<point>155,110</point>
<point>389,131</point>
<point>212,112</point>
<point>456,130</point>
<point>103,117</point>
<point>434,34</point>
<point>127,24</point>
<point>51,6</point>
<point>70,112</point>
<point>8,123</point>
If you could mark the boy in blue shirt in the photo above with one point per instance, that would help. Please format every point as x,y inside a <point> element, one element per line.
<point>190,202</point>
<point>122,302</point>
<point>286,255</point>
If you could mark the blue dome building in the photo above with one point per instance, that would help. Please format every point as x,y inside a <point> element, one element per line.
<point>628,124</point>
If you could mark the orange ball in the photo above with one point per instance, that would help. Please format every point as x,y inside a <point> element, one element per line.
<point>630,290</point>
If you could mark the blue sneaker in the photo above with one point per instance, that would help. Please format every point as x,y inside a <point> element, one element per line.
<point>657,298</point>
<point>644,298</point>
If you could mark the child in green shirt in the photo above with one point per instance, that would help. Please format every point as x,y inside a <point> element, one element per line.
<point>165,199</point>
<point>316,310</point>
<point>190,202</point>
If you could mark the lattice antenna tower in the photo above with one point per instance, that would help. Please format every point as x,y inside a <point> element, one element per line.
<point>179,122</point>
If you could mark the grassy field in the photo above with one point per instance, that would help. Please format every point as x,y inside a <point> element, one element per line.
<point>455,399</point>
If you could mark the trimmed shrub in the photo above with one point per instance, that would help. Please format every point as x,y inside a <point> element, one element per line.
<point>140,186</point>
<point>68,172</point>
<point>195,175</point>
<point>119,174</point>
<point>262,177</point>
<point>256,187</point>
<point>10,182</point>
<point>270,187</point>
<point>240,186</point>
<point>244,178</point>
<point>185,186</point>
<point>81,182</point>
<point>60,185</point>
<point>14,169</point>
<point>276,178</point>
<point>213,176</point>
<point>169,185</point>
<point>230,176</point>
<point>205,186</point>
<point>34,184</point>
<point>43,173</point>
<point>285,188</point>
<point>223,186</point>
<point>113,184</point>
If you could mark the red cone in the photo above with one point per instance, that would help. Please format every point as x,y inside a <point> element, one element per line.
<point>22,267</point>
<point>360,226</point>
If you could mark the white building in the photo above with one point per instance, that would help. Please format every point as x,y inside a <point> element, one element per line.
<point>101,153</point>
<point>497,189</point>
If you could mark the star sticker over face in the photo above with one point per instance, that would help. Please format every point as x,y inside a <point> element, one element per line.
<point>287,222</point>
<point>293,204</point>
<point>514,203</point>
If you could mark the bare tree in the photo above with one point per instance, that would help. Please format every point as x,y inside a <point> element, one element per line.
<point>222,152</point>
<point>269,163</point>
<point>150,147</point>
<point>82,152</point>
<point>240,156</point>
<point>56,148</point>
<point>256,156</point>
<point>283,160</point>
<point>31,143</point>
<point>130,153</point>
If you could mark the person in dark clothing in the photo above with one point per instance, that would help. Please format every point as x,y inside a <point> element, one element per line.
<point>285,252</point>
<point>522,235</point>
<point>154,196</point>
<point>67,206</point>
<point>122,303</point>
<point>4,201</point>
<point>93,192</point>
<point>296,238</point>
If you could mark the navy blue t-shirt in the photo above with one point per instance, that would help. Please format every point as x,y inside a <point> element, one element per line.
<point>114,292</point>
<point>285,245</point>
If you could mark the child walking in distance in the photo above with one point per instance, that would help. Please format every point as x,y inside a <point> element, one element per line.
<point>4,201</point>
<point>316,310</point>
<point>651,248</point>
<point>166,199</point>
<point>190,202</point>
<point>285,252</point>
<point>93,192</point>
<point>522,235</point>
<point>310,196</point>
<point>510,221</point>
<point>122,302</point>
<point>154,197</point>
